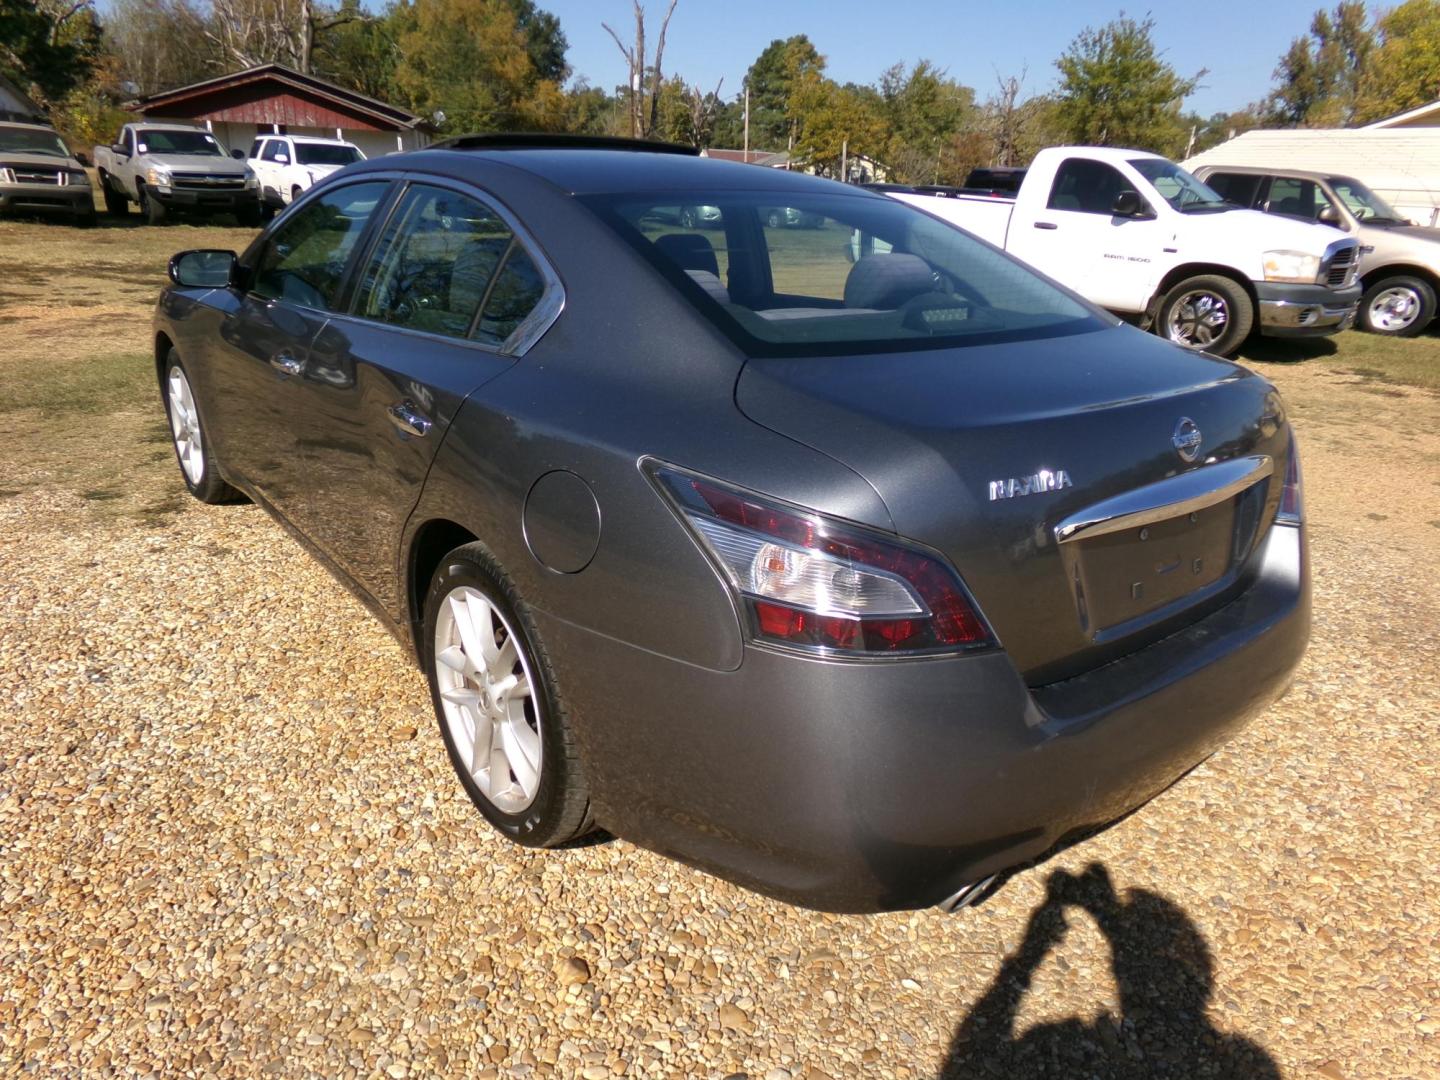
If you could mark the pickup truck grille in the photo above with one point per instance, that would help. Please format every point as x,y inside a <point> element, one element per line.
<point>1340,267</point>
<point>208,182</point>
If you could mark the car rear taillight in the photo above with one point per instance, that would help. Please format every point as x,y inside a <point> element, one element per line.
<point>813,583</point>
<point>1292,511</point>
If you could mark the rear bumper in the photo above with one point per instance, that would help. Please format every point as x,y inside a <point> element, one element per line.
<point>1305,310</point>
<point>46,198</point>
<point>876,786</point>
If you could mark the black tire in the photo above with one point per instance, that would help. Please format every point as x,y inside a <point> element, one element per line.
<point>250,217</point>
<point>560,810</point>
<point>86,219</point>
<point>1185,313</point>
<point>773,219</point>
<point>267,212</point>
<point>1410,308</point>
<point>115,202</point>
<point>208,487</point>
<point>687,218</point>
<point>153,209</point>
<point>295,193</point>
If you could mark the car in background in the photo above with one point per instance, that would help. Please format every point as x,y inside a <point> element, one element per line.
<point>174,168</point>
<point>791,217</point>
<point>289,165</point>
<point>39,174</point>
<point>1399,261</point>
<point>855,584</point>
<point>700,217</point>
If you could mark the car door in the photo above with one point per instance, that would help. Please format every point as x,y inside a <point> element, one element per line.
<point>1079,241</point>
<point>274,158</point>
<point>295,276</point>
<point>449,296</point>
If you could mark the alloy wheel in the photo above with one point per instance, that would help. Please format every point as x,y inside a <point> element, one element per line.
<point>1393,310</point>
<point>185,427</point>
<point>487,693</point>
<point>1198,319</point>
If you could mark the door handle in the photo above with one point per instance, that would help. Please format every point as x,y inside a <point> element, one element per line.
<point>286,364</point>
<point>409,419</point>
<point>1046,225</point>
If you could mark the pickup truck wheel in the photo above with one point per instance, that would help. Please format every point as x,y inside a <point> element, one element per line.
<point>1397,307</point>
<point>296,192</point>
<point>506,730</point>
<point>86,219</point>
<point>1207,312</point>
<point>192,448</point>
<point>250,216</point>
<point>115,202</point>
<point>153,209</point>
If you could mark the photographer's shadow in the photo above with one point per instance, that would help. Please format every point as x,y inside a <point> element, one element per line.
<point>1164,974</point>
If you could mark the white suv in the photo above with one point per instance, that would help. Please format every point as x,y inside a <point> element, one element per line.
<point>289,164</point>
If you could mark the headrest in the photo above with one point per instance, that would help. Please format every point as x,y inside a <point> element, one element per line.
<point>689,251</point>
<point>887,281</point>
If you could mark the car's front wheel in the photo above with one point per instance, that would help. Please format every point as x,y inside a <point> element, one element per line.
<point>154,210</point>
<point>505,728</point>
<point>192,447</point>
<point>1397,306</point>
<point>115,201</point>
<point>1206,313</point>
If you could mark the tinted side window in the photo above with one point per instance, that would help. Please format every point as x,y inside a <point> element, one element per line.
<point>1238,188</point>
<point>1087,186</point>
<point>517,289</point>
<point>434,265</point>
<point>255,148</point>
<point>304,259</point>
<point>274,150</point>
<point>1296,198</point>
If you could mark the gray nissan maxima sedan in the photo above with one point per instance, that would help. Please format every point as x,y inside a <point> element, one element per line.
<point>857,564</point>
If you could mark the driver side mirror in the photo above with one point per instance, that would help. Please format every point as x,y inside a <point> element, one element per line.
<point>1128,204</point>
<point>238,155</point>
<point>1329,216</point>
<point>204,269</point>
<point>282,159</point>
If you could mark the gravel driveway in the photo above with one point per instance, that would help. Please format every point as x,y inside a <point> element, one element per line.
<point>231,845</point>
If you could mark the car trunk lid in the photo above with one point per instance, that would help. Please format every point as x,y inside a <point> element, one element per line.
<point>1011,458</point>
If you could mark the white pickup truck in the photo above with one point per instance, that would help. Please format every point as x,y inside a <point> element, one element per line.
<point>1135,233</point>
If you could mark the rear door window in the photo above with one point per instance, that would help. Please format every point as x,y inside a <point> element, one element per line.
<point>304,259</point>
<point>443,258</point>
<point>1238,188</point>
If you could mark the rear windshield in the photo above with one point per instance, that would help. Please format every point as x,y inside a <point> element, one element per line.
<point>323,154</point>
<point>826,274</point>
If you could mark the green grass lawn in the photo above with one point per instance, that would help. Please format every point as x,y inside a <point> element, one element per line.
<point>1404,361</point>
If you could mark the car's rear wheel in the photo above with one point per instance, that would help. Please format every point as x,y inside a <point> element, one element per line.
<point>1207,313</point>
<point>115,202</point>
<point>296,192</point>
<point>192,448</point>
<point>1397,306</point>
<point>687,218</point>
<point>505,729</point>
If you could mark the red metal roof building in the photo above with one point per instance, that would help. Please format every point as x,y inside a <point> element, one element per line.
<point>273,98</point>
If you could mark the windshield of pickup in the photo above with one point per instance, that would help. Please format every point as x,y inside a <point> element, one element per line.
<point>160,141</point>
<point>1364,203</point>
<point>802,274</point>
<point>1177,187</point>
<point>323,154</point>
<point>19,140</point>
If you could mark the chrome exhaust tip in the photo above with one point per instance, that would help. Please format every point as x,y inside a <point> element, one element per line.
<point>970,895</point>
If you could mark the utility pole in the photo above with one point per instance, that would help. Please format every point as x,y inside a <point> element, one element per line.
<point>747,122</point>
<point>844,161</point>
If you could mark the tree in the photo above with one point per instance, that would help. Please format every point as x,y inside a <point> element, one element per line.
<point>1319,75</point>
<point>1404,70</point>
<point>771,81</point>
<point>157,44</point>
<point>828,119</point>
<point>643,118</point>
<point>475,61</point>
<point>359,52</point>
<point>923,112</point>
<point>48,49</point>
<point>1116,90</point>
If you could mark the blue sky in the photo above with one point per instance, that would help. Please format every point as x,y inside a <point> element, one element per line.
<point>1238,42</point>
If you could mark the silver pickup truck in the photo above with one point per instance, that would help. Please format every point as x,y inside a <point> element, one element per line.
<point>1399,260</point>
<point>166,168</point>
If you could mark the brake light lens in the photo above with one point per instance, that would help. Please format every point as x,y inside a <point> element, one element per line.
<point>1292,509</point>
<point>812,583</point>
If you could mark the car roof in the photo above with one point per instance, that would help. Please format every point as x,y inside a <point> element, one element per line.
<point>1255,170</point>
<point>587,171</point>
<point>28,126</point>
<point>149,126</point>
<point>321,139</point>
